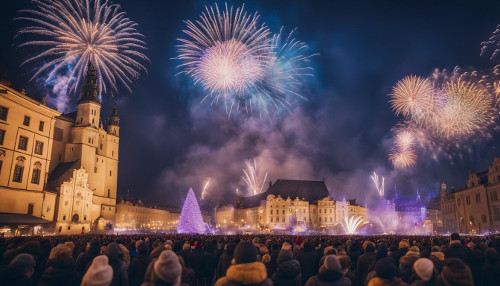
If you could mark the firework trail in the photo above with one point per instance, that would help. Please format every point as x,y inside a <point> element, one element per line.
<point>403,154</point>
<point>205,187</point>
<point>379,183</point>
<point>251,179</point>
<point>237,60</point>
<point>74,32</point>
<point>352,224</point>
<point>492,45</point>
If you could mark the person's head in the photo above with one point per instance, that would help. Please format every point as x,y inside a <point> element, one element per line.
<point>424,268</point>
<point>385,268</point>
<point>455,272</point>
<point>114,251</point>
<point>329,250</point>
<point>263,250</point>
<point>60,253</point>
<point>245,252</point>
<point>455,236</point>
<point>414,249</point>
<point>70,245</point>
<point>332,263</point>
<point>491,256</point>
<point>286,246</point>
<point>345,263</point>
<point>100,273</point>
<point>404,244</point>
<point>266,258</point>
<point>142,248</point>
<point>370,248</point>
<point>167,267</point>
<point>284,255</point>
<point>23,263</point>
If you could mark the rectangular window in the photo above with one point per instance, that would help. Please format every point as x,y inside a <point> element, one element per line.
<point>494,196</point>
<point>35,179</point>
<point>1,162</point>
<point>26,120</point>
<point>3,113</point>
<point>471,219</point>
<point>467,199</point>
<point>18,174</point>
<point>23,143</point>
<point>458,201</point>
<point>283,219</point>
<point>283,211</point>
<point>483,217</point>
<point>40,126</point>
<point>478,198</point>
<point>271,219</point>
<point>496,213</point>
<point>30,209</point>
<point>109,193</point>
<point>39,148</point>
<point>2,136</point>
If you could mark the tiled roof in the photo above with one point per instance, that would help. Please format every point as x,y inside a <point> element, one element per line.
<point>58,174</point>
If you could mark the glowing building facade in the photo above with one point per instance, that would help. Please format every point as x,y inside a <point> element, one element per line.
<point>288,205</point>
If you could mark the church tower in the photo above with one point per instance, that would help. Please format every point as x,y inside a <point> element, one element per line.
<point>114,123</point>
<point>89,106</point>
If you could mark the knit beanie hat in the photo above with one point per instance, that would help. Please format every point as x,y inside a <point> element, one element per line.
<point>31,247</point>
<point>60,252</point>
<point>100,273</point>
<point>142,248</point>
<point>455,236</point>
<point>424,268</point>
<point>23,261</point>
<point>455,272</point>
<point>245,252</point>
<point>332,263</point>
<point>284,255</point>
<point>385,268</point>
<point>168,268</point>
<point>370,248</point>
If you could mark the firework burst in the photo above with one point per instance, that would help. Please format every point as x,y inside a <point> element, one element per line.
<point>403,158</point>
<point>237,60</point>
<point>74,32</point>
<point>352,224</point>
<point>412,97</point>
<point>379,183</point>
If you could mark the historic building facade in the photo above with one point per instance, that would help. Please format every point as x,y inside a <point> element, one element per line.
<point>59,167</point>
<point>475,208</point>
<point>288,205</point>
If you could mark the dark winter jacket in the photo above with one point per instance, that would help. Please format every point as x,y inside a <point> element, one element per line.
<point>253,273</point>
<point>288,271</point>
<point>309,262</point>
<point>224,263</point>
<point>197,260</point>
<point>354,253</point>
<point>114,253</point>
<point>490,274</point>
<point>476,262</point>
<point>364,263</point>
<point>328,277</point>
<point>137,269</point>
<point>456,249</point>
<point>59,272</point>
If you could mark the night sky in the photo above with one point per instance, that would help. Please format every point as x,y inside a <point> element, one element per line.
<point>170,141</point>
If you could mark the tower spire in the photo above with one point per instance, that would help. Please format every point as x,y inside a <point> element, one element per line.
<point>90,90</point>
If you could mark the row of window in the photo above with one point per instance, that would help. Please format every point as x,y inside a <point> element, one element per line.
<point>23,143</point>
<point>493,195</point>
<point>326,219</point>
<point>17,177</point>
<point>319,211</point>
<point>4,111</point>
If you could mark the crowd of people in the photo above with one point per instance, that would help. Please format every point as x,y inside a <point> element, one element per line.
<point>175,259</point>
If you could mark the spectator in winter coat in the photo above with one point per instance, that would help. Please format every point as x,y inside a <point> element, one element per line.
<point>476,262</point>
<point>287,271</point>
<point>330,273</point>
<point>198,261</point>
<point>84,259</point>
<point>365,261</point>
<point>455,272</point>
<point>437,258</point>
<point>309,262</point>
<point>139,265</point>
<point>100,273</point>
<point>424,273</point>
<point>60,268</point>
<point>490,274</point>
<point>385,273</point>
<point>20,270</point>
<point>403,247</point>
<point>456,249</point>
<point>115,256</point>
<point>246,270</point>
<point>165,270</point>
<point>225,260</point>
<point>406,263</point>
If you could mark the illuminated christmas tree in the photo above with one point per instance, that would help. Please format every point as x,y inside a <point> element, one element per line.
<point>191,220</point>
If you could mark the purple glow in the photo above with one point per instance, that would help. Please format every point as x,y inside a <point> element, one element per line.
<point>191,220</point>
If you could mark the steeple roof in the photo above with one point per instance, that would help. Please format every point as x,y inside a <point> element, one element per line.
<point>90,90</point>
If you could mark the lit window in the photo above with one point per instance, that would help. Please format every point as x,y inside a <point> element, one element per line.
<point>40,126</point>
<point>3,113</point>
<point>23,143</point>
<point>26,120</point>
<point>18,170</point>
<point>38,147</point>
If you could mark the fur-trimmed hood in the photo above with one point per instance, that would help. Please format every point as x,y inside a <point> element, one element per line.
<point>377,281</point>
<point>438,254</point>
<point>409,258</point>
<point>253,273</point>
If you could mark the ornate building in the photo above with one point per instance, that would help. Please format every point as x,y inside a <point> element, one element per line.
<point>59,167</point>
<point>288,205</point>
<point>475,208</point>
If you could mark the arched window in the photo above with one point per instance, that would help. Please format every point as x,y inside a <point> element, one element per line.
<point>18,170</point>
<point>37,170</point>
